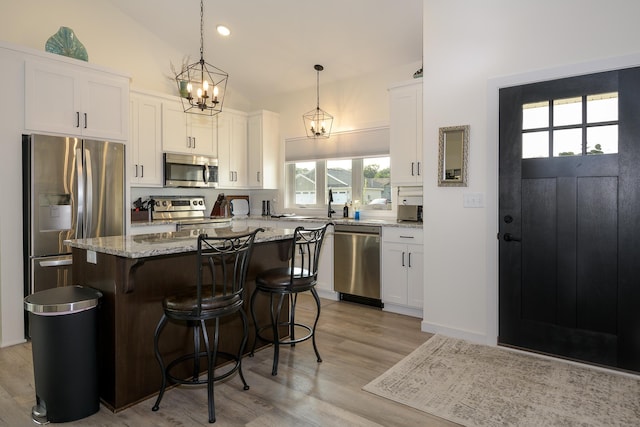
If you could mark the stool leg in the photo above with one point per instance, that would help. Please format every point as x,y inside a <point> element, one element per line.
<point>156,337</point>
<point>292,318</point>
<point>196,350</point>
<point>255,321</point>
<point>211,358</point>
<point>315,324</point>
<point>275,322</point>
<point>245,334</point>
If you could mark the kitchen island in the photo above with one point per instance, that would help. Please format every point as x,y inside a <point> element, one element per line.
<point>134,274</point>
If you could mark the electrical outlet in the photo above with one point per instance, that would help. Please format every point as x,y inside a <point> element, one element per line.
<point>473,200</point>
<point>92,257</point>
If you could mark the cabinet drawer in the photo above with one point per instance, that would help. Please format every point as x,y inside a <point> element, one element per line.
<point>402,235</point>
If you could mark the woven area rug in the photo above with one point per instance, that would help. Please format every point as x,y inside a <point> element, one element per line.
<point>477,385</point>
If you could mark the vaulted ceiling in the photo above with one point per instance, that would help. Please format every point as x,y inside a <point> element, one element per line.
<point>274,44</point>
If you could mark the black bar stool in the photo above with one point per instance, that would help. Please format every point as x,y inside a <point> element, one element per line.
<point>221,268</point>
<point>284,284</point>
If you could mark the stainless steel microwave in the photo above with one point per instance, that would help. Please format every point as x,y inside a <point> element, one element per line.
<point>410,213</point>
<point>184,170</point>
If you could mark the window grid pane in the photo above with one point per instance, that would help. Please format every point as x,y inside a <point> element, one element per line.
<point>535,115</point>
<point>567,142</point>
<point>602,139</point>
<point>567,111</point>
<point>305,183</point>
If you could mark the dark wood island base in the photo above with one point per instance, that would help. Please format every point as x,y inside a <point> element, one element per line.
<point>133,290</point>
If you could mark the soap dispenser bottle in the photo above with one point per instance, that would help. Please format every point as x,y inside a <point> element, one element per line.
<point>345,211</point>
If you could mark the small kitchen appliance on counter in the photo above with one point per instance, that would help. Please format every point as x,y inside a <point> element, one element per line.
<point>410,213</point>
<point>187,211</point>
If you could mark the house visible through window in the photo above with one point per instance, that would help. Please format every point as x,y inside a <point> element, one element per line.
<point>362,181</point>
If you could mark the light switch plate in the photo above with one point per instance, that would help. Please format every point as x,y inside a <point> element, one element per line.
<point>91,257</point>
<point>473,200</point>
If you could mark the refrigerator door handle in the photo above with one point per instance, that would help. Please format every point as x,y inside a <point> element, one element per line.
<point>89,193</point>
<point>81,185</point>
<point>56,263</point>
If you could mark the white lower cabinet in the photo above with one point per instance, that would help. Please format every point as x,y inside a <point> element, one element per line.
<point>402,270</point>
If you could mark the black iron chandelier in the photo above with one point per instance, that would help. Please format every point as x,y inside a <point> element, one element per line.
<point>201,85</point>
<point>318,122</point>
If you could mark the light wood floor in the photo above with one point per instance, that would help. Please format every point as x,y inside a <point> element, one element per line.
<point>357,344</point>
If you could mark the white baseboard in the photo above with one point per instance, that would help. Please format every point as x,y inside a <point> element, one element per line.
<point>401,309</point>
<point>323,293</point>
<point>456,333</point>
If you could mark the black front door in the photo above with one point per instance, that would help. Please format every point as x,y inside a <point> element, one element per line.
<point>569,212</point>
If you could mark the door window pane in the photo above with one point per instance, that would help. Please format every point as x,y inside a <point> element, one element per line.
<point>602,140</point>
<point>535,144</point>
<point>305,183</point>
<point>535,115</point>
<point>567,111</point>
<point>567,142</point>
<point>602,107</point>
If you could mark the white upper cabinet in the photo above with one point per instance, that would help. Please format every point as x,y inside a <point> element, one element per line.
<point>146,140</point>
<point>187,133</point>
<point>405,133</point>
<point>232,149</point>
<point>75,100</point>
<point>264,152</point>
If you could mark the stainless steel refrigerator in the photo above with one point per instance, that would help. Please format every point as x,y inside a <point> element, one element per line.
<point>72,188</point>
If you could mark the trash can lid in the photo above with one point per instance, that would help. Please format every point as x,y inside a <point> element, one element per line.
<point>62,300</point>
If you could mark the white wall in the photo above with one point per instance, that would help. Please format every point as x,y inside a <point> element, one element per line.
<point>494,43</point>
<point>355,104</point>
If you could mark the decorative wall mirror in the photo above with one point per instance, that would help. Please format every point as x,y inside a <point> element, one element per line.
<point>453,156</point>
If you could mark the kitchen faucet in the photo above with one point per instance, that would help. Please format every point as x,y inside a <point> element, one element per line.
<point>330,211</point>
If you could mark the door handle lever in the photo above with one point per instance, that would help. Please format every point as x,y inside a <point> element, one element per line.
<point>509,238</point>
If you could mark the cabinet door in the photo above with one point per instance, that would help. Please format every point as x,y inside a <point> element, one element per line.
<point>394,273</point>
<point>52,98</point>
<point>203,135</point>
<point>232,150</point>
<point>104,110</point>
<point>325,266</point>
<point>238,149</point>
<point>225,174</point>
<point>146,141</point>
<point>174,128</point>
<point>415,276</point>
<point>405,133</point>
<point>264,148</point>
<point>61,98</point>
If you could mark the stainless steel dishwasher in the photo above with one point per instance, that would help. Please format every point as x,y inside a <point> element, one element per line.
<point>356,263</point>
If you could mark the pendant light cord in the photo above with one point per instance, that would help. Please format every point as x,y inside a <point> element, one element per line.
<point>201,30</point>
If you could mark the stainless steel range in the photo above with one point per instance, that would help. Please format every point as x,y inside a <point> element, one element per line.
<point>187,211</point>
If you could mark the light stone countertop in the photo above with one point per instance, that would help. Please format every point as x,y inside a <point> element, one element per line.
<point>156,244</point>
<point>281,222</point>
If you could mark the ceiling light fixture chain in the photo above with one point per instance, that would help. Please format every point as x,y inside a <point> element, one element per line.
<point>198,77</point>
<point>317,122</point>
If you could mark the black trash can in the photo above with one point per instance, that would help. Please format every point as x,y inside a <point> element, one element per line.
<point>63,325</point>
